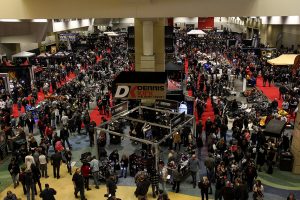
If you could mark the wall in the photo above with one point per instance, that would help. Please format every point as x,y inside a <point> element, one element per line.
<point>230,23</point>
<point>205,23</point>
<point>182,21</point>
<point>28,46</point>
<point>8,49</point>
<point>291,35</point>
<point>68,25</point>
<point>67,9</point>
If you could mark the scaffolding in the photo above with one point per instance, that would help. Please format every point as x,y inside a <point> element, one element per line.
<point>176,123</point>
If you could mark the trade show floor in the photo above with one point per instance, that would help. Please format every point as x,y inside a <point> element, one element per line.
<point>277,186</point>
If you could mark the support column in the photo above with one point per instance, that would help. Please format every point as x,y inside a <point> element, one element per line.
<point>149,45</point>
<point>295,148</point>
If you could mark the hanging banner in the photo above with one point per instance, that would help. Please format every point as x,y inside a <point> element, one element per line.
<point>122,107</point>
<point>166,104</point>
<point>169,39</point>
<point>141,91</point>
<point>130,39</point>
<point>177,120</point>
<point>64,37</point>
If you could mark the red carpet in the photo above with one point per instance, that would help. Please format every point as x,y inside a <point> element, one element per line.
<point>186,70</point>
<point>41,95</point>
<point>271,92</point>
<point>208,112</point>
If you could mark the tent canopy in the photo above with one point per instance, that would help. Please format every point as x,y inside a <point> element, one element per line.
<point>284,59</point>
<point>170,66</point>
<point>196,32</point>
<point>23,54</point>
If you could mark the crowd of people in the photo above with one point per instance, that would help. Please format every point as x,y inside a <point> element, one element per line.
<point>232,164</point>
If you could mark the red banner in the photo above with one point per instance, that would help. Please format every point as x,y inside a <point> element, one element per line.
<point>205,23</point>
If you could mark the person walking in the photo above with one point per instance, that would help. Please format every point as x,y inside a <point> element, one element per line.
<point>194,166</point>
<point>85,171</point>
<point>142,187</point>
<point>29,184</point>
<point>163,174</point>
<point>68,156</point>
<point>241,191</point>
<point>14,171</point>
<point>154,179</point>
<point>258,190</point>
<point>36,174</point>
<point>56,159</point>
<point>78,182</point>
<point>43,165</point>
<point>111,187</point>
<point>177,177</point>
<point>64,135</point>
<point>48,193</point>
<point>124,165</point>
<point>204,186</point>
<point>94,164</point>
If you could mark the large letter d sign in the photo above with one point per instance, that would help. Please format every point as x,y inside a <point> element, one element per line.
<point>122,91</point>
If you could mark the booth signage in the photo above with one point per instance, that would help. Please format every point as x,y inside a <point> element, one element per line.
<point>168,104</point>
<point>65,37</point>
<point>141,91</point>
<point>130,39</point>
<point>177,120</point>
<point>119,108</point>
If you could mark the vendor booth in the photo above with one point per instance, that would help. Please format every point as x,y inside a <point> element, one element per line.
<point>197,32</point>
<point>284,59</point>
<point>152,127</point>
<point>22,58</point>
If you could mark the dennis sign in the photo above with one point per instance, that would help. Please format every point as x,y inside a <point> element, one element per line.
<point>141,91</point>
<point>140,85</point>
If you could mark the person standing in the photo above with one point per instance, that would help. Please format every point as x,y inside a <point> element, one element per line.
<point>43,165</point>
<point>177,177</point>
<point>29,184</point>
<point>78,182</point>
<point>163,174</point>
<point>142,187</point>
<point>94,164</point>
<point>194,165</point>
<point>36,174</point>
<point>111,186</point>
<point>228,192</point>
<point>204,186</point>
<point>30,123</point>
<point>48,193</point>
<point>241,191</point>
<point>68,156</point>
<point>56,159</point>
<point>85,171</point>
<point>258,190</point>
<point>124,165</point>
<point>64,135</point>
<point>176,140</point>
<point>14,171</point>
<point>154,178</point>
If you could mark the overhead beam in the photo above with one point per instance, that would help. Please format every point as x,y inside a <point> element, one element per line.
<point>31,9</point>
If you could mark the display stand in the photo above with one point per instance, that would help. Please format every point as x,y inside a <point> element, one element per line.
<point>178,121</point>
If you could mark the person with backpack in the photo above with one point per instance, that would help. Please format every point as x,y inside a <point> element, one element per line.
<point>48,193</point>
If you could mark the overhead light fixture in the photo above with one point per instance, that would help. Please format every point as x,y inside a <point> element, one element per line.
<point>10,20</point>
<point>39,20</point>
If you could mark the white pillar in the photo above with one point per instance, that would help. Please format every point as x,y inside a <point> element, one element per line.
<point>147,38</point>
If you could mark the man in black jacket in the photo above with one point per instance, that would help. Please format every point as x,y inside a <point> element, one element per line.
<point>48,193</point>
<point>142,189</point>
<point>78,182</point>
<point>56,161</point>
<point>227,192</point>
<point>241,191</point>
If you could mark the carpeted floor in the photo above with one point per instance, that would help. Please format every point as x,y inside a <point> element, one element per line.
<point>271,92</point>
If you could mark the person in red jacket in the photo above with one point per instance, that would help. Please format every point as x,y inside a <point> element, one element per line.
<point>85,171</point>
<point>49,132</point>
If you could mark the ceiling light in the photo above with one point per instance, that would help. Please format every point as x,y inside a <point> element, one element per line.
<point>39,20</point>
<point>9,20</point>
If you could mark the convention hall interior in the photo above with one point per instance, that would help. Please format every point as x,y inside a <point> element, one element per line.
<point>149,99</point>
